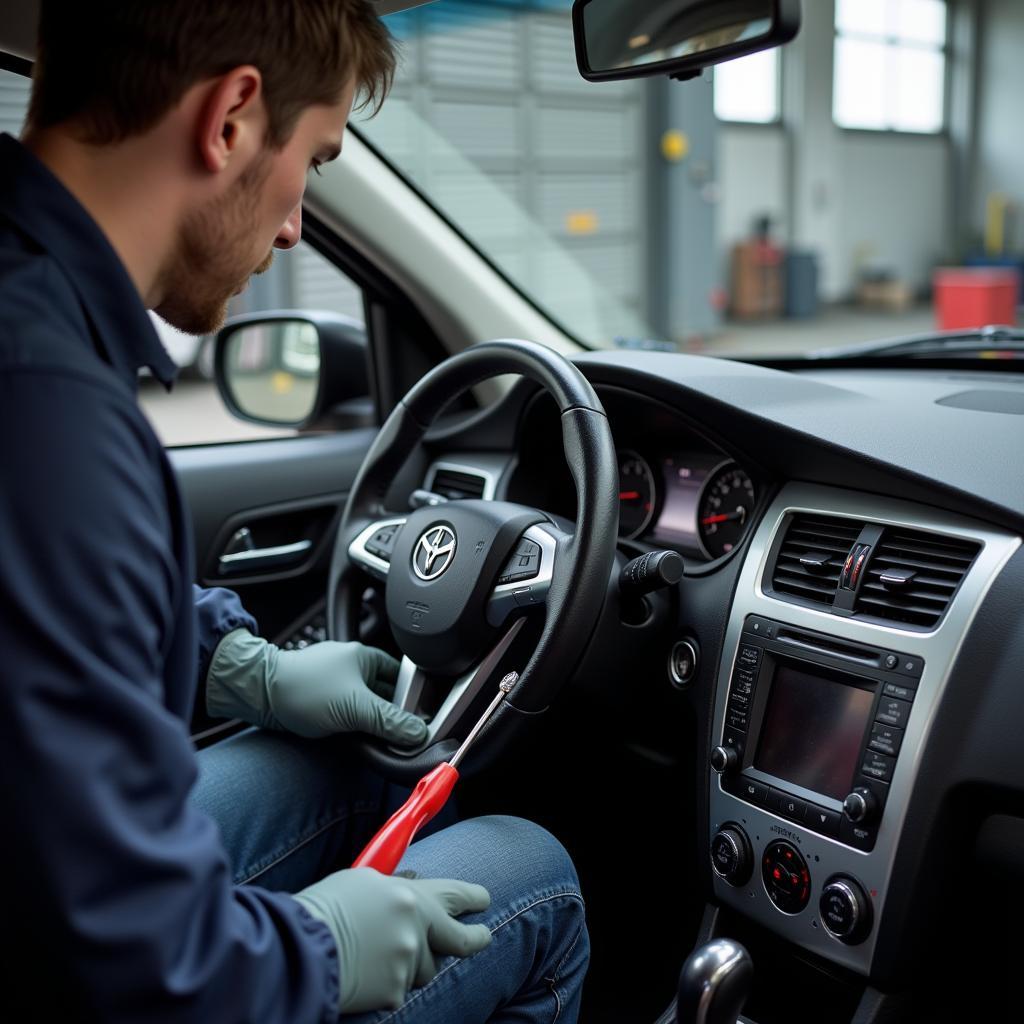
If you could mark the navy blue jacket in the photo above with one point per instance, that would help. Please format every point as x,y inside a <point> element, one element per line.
<point>117,894</point>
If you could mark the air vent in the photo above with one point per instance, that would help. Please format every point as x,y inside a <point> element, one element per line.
<point>811,557</point>
<point>455,485</point>
<point>913,576</point>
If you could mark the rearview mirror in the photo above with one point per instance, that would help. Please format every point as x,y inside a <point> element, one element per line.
<point>679,38</point>
<point>294,368</point>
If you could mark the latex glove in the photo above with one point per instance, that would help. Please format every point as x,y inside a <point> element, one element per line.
<point>323,689</point>
<point>388,930</point>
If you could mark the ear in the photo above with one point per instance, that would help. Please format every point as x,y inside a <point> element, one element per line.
<point>232,119</point>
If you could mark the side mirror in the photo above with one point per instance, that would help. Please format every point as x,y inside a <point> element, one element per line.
<point>679,38</point>
<point>292,368</point>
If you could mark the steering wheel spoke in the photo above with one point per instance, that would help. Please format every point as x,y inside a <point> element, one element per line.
<point>526,577</point>
<point>450,719</point>
<point>372,547</point>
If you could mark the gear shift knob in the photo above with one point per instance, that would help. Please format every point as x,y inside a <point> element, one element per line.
<point>714,983</point>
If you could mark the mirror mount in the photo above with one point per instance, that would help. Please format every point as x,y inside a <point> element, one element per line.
<point>623,39</point>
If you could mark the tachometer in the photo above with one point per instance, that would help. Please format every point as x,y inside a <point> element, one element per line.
<point>724,509</point>
<point>636,494</point>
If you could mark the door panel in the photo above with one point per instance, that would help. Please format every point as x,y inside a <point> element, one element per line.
<point>297,485</point>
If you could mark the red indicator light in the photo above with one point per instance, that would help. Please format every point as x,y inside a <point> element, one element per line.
<point>776,874</point>
<point>628,495</point>
<point>793,880</point>
<point>789,855</point>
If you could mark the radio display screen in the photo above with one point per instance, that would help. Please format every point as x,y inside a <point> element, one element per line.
<point>813,729</point>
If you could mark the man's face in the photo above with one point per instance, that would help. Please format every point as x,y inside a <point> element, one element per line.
<point>233,236</point>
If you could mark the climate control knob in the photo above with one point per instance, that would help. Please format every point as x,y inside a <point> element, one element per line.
<point>730,855</point>
<point>861,806</point>
<point>845,910</point>
<point>724,759</point>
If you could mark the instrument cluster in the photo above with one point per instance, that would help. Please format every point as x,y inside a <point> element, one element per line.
<point>697,502</point>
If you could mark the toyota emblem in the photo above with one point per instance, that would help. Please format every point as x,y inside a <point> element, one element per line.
<point>434,552</point>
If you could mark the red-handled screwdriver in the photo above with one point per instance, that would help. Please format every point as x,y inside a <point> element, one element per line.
<point>385,849</point>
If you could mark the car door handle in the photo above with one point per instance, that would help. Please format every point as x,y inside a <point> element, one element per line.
<point>263,558</point>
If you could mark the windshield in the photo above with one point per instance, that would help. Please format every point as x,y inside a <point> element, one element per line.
<point>787,202</point>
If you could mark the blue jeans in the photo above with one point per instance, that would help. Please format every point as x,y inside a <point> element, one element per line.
<point>291,811</point>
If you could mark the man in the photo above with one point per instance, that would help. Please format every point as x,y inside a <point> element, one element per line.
<point>165,155</point>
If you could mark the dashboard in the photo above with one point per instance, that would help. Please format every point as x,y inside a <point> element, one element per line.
<point>677,488</point>
<point>852,607</point>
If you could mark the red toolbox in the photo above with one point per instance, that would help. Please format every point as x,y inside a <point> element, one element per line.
<point>975,296</point>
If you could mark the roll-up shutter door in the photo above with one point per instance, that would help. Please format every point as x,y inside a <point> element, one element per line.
<point>14,90</point>
<point>497,80</point>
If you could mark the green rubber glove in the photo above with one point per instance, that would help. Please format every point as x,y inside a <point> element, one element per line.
<point>388,930</point>
<point>323,689</point>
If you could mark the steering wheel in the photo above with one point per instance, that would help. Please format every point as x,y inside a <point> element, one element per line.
<point>463,578</point>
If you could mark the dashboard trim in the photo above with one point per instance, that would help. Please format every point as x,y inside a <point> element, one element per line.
<point>939,649</point>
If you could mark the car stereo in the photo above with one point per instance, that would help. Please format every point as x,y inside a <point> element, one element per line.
<point>813,727</point>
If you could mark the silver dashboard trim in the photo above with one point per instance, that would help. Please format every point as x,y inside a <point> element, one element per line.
<point>373,564</point>
<point>939,648</point>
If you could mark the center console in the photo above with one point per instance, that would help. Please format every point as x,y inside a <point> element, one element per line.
<point>822,707</point>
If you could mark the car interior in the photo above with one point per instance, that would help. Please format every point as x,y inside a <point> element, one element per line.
<point>764,612</point>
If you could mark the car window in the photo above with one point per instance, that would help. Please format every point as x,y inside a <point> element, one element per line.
<point>193,413</point>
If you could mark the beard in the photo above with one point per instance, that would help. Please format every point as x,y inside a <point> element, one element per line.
<point>211,262</point>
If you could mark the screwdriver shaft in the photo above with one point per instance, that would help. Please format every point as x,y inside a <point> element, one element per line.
<point>504,689</point>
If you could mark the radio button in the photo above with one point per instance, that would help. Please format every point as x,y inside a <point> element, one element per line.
<point>752,791</point>
<point>878,766</point>
<point>891,661</point>
<point>822,820</point>
<point>786,805</point>
<point>860,836</point>
<point>893,712</point>
<point>733,739</point>
<point>736,719</point>
<point>739,701</point>
<point>910,666</point>
<point>749,657</point>
<point>893,690</point>
<point>886,739</point>
<point>759,626</point>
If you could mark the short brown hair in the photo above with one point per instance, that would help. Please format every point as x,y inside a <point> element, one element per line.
<point>113,68</point>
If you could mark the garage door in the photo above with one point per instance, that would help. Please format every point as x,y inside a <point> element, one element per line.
<point>497,80</point>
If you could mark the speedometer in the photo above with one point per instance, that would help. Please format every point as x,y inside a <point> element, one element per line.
<point>636,494</point>
<point>725,508</point>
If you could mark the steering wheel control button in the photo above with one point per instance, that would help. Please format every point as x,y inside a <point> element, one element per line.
<point>682,663</point>
<point>731,857</point>
<point>822,820</point>
<point>786,877</point>
<point>893,712</point>
<point>878,766</point>
<point>382,543</point>
<point>845,910</point>
<point>886,739</point>
<point>724,760</point>
<point>524,563</point>
<point>786,805</point>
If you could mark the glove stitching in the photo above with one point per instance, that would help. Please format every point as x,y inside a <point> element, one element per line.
<point>415,994</point>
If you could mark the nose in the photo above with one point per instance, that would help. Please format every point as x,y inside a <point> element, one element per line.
<point>290,231</point>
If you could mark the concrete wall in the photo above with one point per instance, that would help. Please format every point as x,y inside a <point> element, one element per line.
<point>850,196</point>
<point>999,157</point>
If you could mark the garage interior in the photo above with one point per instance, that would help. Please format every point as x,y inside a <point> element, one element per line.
<point>790,201</point>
